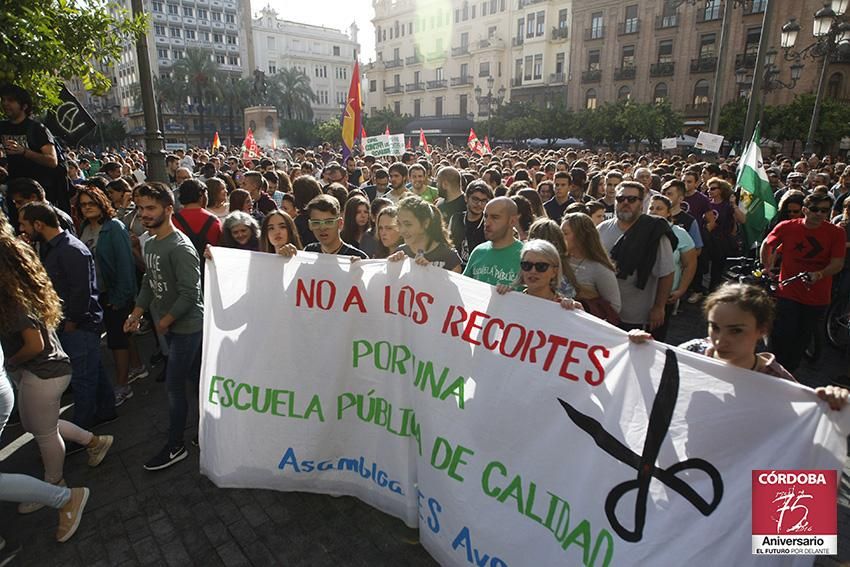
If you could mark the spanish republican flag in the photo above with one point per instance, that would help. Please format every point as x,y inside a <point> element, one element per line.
<point>216,142</point>
<point>352,120</point>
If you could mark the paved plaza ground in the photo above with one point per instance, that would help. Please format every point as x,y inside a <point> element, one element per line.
<point>178,517</point>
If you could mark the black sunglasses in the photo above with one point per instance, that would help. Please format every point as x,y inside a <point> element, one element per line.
<point>539,266</point>
<point>627,198</point>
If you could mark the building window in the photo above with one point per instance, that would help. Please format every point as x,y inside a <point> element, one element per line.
<point>438,106</point>
<point>157,6</point>
<point>373,85</point>
<point>175,32</point>
<point>188,11</point>
<point>438,74</point>
<point>173,10</point>
<point>190,34</point>
<point>464,103</point>
<point>205,36</point>
<point>529,63</point>
<point>529,25</point>
<point>217,38</point>
<point>484,69</point>
<point>752,45</point>
<point>202,13</point>
<point>590,99</point>
<point>520,27</point>
<point>712,10</point>
<point>230,18</point>
<point>417,107</point>
<point>624,94</point>
<point>596,26</point>
<point>701,92</point>
<point>538,66</point>
<point>518,71</point>
<point>630,25</point>
<point>270,43</point>
<point>231,40</point>
<point>233,60</point>
<point>593,60</point>
<point>177,53</point>
<point>397,107</point>
<point>162,53</point>
<point>562,19</point>
<point>834,86</point>
<point>660,94</point>
<point>665,51</point>
<point>220,59</point>
<point>158,29</point>
<point>706,45</point>
<point>272,67</point>
<point>627,58</point>
<point>216,16</point>
<point>541,23</point>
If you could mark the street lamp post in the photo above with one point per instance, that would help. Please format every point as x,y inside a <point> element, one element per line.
<point>764,80</point>
<point>489,98</point>
<point>832,34</point>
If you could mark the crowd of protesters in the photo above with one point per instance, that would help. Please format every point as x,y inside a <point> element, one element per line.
<point>624,237</point>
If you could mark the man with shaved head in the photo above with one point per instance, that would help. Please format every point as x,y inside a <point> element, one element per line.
<point>497,260</point>
<point>449,187</point>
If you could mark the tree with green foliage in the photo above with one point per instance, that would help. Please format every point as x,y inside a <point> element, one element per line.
<point>198,69</point>
<point>733,117</point>
<point>45,41</point>
<point>297,132</point>
<point>646,121</point>
<point>173,93</point>
<point>375,124</point>
<point>290,91</point>
<point>330,131</point>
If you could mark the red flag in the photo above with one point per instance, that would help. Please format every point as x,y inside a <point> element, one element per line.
<point>474,144</point>
<point>352,115</point>
<point>423,142</point>
<point>250,149</point>
<point>363,139</point>
<point>387,131</point>
<point>216,144</point>
<point>487,144</point>
<point>409,144</point>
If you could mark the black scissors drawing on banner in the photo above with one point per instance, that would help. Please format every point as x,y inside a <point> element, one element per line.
<point>659,422</point>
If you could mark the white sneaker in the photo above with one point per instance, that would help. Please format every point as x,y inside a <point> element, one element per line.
<point>137,374</point>
<point>122,395</point>
<point>695,298</point>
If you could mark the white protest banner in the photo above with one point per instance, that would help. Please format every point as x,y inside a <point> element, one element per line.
<point>709,142</point>
<point>668,143</point>
<point>510,431</point>
<point>378,146</point>
<point>397,144</point>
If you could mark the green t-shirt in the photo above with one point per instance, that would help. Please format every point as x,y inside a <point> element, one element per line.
<point>494,265</point>
<point>430,194</point>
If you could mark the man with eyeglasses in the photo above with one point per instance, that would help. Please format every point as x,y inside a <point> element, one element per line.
<point>811,245</point>
<point>326,223</point>
<point>795,182</point>
<point>642,249</point>
<point>467,227</point>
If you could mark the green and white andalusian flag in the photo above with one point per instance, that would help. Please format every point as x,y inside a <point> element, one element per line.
<point>756,192</point>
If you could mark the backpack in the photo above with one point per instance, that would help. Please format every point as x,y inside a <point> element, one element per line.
<point>199,240</point>
<point>63,188</point>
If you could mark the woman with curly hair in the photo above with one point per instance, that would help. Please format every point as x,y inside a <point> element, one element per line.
<point>30,311</point>
<point>115,270</point>
<point>241,231</point>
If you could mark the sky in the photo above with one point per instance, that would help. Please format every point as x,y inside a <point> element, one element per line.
<point>337,14</point>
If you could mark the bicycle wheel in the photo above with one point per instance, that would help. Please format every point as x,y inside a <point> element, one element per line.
<point>837,326</point>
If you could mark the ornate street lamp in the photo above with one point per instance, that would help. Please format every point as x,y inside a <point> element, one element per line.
<point>489,99</point>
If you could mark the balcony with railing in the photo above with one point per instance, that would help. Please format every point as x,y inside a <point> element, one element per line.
<point>662,69</point>
<point>437,84</point>
<point>591,76</point>
<point>458,51</point>
<point>516,82</point>
<point>704,65</point>
<point>393,89</point>
<point>393,63</point>
<point>523,3</point>
<point>490,43</point>
<point>415,60</point>
<point>517,41</point>
<point>664,22</point>
<point>745,60</point>
<point>560,34</point>
<point>625,73</point>
<point>593,33</point>
<point>628,27</point>
<point>557,78</point>
<point>698,109</point>
<point>435,56</point>
<point>413,87</point>
<point>460,81</point>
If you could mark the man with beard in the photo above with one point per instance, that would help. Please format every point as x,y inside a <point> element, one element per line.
<point>172,288</point>
<point>449,188</point>
<point>398,183</point>
<point>642,249</point>
<point>467,227</point>
<point>419,183</point>
<point>497,260</point>
<point>70,265</point>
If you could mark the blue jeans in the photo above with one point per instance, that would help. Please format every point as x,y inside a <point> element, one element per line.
<point>184,367</point>
<point>94,398</point>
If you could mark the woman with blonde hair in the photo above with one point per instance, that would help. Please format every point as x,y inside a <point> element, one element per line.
<point>548,230</point>
<point>593,269</point>
<point>30,311</point>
